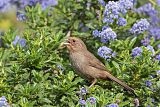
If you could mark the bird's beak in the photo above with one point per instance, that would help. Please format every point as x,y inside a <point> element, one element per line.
<point>66,40</point>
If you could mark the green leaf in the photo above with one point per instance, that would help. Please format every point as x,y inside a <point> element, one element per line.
<point>116,65</point>
<point>132,42</point>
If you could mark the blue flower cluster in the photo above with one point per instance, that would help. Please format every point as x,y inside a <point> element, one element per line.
<point>121,21</point>
<point>148,83</point>
<point>5,5</point>
<point>155,32</point>
<point>158,57</point>
<point>112,105</point>
<point>151,49</point>
<point>3,102</point>
<point>82,101</point>
<point>140,26</point>
<point>106,34</point>
<point>158,2</point>
<point>137,51</point>
<point>113,10</point>
<point>146,9</point>
<point>149,10</point>
<point>106,53</point>
<point>145,41</point>
<point>20,41</point>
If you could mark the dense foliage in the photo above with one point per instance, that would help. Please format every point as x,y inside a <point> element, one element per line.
<point>35,70</point>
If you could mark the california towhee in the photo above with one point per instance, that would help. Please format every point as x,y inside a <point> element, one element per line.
<point>87,65</point>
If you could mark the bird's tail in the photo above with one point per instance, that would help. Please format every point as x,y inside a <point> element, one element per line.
<point>119,82</point>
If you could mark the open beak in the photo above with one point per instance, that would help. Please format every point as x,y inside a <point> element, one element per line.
<point>66,40</point>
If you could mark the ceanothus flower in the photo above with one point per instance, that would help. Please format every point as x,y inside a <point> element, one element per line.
<point>158,57</point>
<point>83,91</point>
<point>82,102</point>
<point>112,105</point>
<point>46,3</point>
<point>146,9</point>
<point>148,83</point>
<point>158,72</point>
<point>92,100</point>
<point>125,5</point>
<point>155,32</point>
<point>18,40</point>
<point>107,35</point>
<point>102,2</point>
<point>96,33</point>
<point>158,46</point>
<point>106,52</point>
<point>150,48</point>
<point>3,102</point>
<point>137,51</point>
<point>158,2</point>
<point>22,42</point>
<point>145,41</point>
<point>121,21</point>
<point>140,26</point>
<point>113,10</point>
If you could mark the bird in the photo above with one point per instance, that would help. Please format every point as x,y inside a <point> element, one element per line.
<point>87,66</point>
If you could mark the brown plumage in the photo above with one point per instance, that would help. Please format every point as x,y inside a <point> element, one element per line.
<point>87,65</point>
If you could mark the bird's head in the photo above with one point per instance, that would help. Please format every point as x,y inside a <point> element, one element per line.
<point>75,44</point>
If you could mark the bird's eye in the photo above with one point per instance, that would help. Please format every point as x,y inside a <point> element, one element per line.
<point>74,41</point>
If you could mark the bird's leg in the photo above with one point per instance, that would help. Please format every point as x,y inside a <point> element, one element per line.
<point>93,82</point>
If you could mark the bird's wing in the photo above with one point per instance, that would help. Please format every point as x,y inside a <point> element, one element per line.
<point>94,62</point>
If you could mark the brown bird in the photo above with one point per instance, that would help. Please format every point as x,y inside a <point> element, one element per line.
<point>87,65</point>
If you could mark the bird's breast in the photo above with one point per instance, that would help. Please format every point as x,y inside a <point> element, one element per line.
<point>79,63</point>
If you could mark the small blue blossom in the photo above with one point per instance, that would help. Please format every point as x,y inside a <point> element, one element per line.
<point>148,83</point>
<point>150,48</point>
<point>18,40</point>
<point>83,91</point>
<point>125,5</point>
<point>47,3</point>
<point>146,9</point>
<point>158,57</point>
<point>111,12</point>
<point>107,35</point>
<point>158,2</point>
<point>113,105</point>
<point>106,53</point>
<point>21,17</point>
<point>60,67</point>
<point>82,102</point>
<point>140,26</point>
<point>158,46</point>
<point>152,100</point>
<point>145,41</point>
<point>158,72</point>
<point>22,42</point>
<point>137,51</point>
<point>155,32</point>
<point>3,102</point>
<point>154,20</point>
<point>96,33</point>
<point>121,21</point>
<point>92,100</point>
<point>102,2</point>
